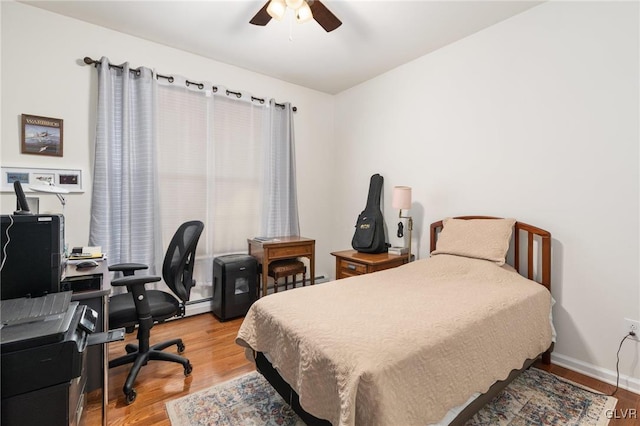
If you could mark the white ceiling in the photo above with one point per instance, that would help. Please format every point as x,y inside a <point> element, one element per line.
<point>375,36</point>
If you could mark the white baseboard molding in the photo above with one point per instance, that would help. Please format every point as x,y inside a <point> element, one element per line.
<point>199,307</point>
<point>608,376</point>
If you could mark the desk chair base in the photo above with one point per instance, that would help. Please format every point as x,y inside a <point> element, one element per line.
<point>154,353</point>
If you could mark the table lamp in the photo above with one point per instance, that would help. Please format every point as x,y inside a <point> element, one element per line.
<point>402,200</point>
<point>51,188</point>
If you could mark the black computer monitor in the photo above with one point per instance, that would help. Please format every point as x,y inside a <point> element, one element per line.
<point>34,255</point>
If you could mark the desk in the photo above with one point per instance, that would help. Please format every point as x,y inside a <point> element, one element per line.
<point>279,248</point>
<point>98,300</point>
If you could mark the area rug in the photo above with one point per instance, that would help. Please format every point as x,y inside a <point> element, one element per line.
<point>247,400</point>
<point>534,398</point>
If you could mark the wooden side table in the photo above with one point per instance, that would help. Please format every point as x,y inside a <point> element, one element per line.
<point>266,251</point>
<point>350,262</point>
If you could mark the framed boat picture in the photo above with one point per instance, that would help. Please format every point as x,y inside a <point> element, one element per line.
<point>41,135</point>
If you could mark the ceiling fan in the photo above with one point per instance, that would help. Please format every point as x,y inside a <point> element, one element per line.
<point>304,11</point>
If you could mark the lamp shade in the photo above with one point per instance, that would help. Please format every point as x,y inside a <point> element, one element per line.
<point>303,13</point>
<point>401,197</point>
<point>294,4</point>
<point>276,9</point>
<point>48,187</point>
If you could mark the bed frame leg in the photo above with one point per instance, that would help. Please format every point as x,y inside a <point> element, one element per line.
<point>546,357</point>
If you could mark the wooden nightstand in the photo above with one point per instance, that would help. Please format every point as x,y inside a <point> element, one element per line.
<point>351,262</point>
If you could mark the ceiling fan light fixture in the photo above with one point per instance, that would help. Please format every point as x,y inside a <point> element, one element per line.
<point>277,9</point>
<point>303,13</point>
<point>295,4</point>
<point>303,10</point>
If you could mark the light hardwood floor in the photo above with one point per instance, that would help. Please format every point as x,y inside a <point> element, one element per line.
<point>210,346</point>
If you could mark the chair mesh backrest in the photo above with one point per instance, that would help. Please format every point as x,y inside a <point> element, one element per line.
<point>177,269</point>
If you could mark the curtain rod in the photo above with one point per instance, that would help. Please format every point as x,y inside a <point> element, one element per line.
<point>170,79</point>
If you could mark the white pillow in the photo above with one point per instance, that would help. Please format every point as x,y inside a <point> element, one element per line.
<point>477,238</point>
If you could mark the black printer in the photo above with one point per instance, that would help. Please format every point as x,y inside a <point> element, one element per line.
<point>43,342</point>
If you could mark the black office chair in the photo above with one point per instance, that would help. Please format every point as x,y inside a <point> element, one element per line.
<point>143,307</point>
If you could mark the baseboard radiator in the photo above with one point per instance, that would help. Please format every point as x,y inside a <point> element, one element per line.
<point>204,305</point>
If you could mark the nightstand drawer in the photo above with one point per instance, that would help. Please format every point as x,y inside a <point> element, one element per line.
<point>352,268</point>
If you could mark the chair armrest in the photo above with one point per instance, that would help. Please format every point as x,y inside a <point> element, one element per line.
<point>127,268</point>
<point>134,280</point>
<point>135,286</point>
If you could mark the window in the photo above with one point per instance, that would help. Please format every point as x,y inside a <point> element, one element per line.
<point>210,167</point>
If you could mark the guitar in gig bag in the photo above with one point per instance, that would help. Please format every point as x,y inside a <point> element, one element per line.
<point>369,235</point>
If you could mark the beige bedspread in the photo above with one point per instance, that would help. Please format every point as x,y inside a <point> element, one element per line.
<point>401,346</point>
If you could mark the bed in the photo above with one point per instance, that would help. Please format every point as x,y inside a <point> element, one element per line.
<point>429,342</point>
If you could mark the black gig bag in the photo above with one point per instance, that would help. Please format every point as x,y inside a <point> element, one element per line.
<point>369,235</point>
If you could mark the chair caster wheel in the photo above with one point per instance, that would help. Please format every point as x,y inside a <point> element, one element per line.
<point>188,369</point>
<point>131,396</point>
<point>180,348</point>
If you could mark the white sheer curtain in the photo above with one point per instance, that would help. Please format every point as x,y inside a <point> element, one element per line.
<point>280,200</point>
<point>210,167</point>
<point>169,150</point>
<point>184,158</point>
<point>124,208</point>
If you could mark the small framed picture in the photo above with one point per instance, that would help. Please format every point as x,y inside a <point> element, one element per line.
<point>43,178</point>
<point>41,135</point>
<point>69,179</point>
<point>21,176</point>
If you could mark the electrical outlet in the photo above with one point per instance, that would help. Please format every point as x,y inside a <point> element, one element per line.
<point>631,325</point>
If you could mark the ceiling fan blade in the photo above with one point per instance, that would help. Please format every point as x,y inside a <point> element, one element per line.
<point>261,18</point>
<point>323,16</point>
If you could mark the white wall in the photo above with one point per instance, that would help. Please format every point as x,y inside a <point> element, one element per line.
<point>535,118</point>
<point>43,74</point>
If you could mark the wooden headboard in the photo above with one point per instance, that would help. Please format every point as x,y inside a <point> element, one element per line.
<point>531,233</point>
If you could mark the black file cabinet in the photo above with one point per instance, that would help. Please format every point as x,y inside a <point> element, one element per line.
<point>235,279</point>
